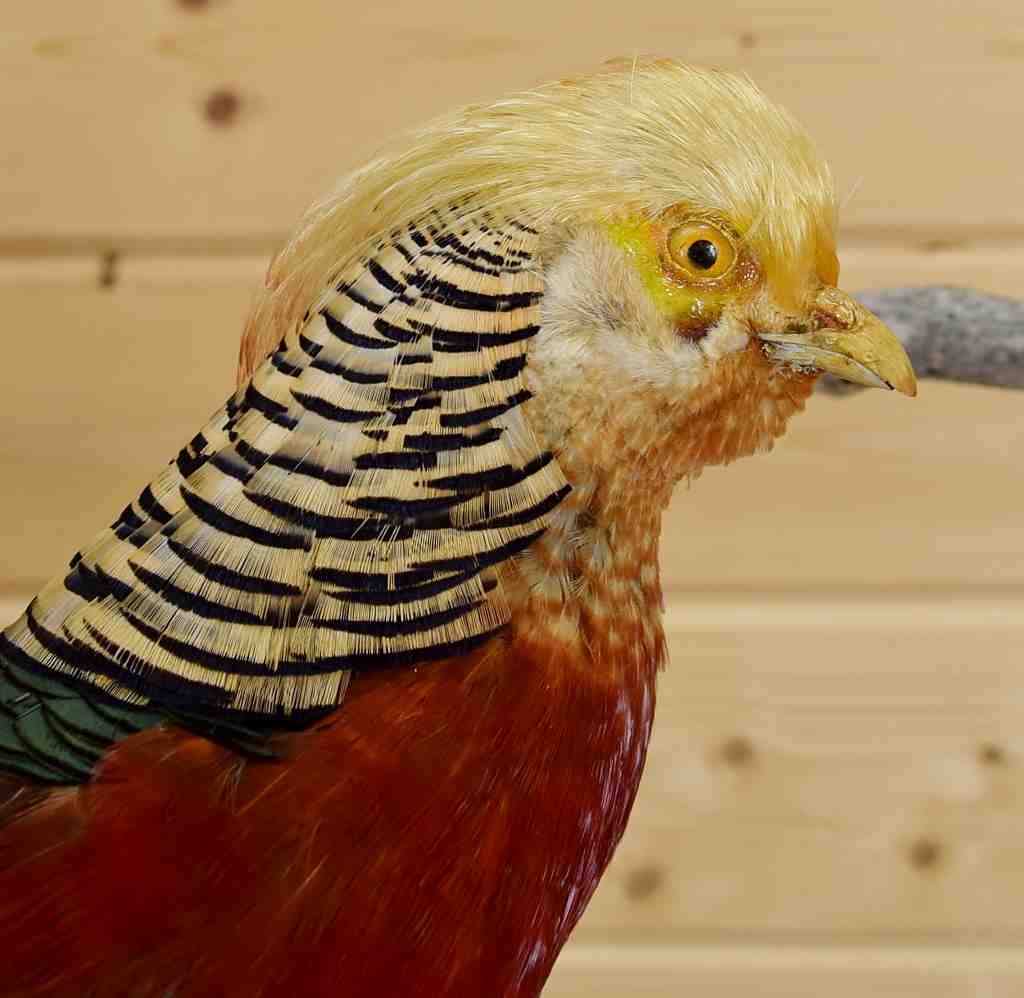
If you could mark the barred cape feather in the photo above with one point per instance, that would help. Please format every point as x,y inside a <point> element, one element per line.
<point>346,508</point>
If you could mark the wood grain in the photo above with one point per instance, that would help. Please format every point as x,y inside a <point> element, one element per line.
<point>73,392</point>
<point>109,132</point>
<point>830,769</point>
<point>785,972</point>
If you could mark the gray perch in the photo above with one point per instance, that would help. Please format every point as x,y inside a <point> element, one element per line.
<point>954,334</point>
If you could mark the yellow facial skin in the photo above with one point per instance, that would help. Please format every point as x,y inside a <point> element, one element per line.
<point>802,320</point>
<point>691,301</point>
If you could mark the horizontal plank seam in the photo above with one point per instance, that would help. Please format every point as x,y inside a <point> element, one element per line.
<point>926,240</point>
<point>43,247</point>
<point>797,615</point>
<point>817,615</point>
<point>824,591</point>
<point>815,957</point>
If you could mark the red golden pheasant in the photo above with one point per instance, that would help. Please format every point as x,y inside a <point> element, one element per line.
<point>354,698</point>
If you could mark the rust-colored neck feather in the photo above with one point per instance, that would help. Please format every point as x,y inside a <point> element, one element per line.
<point>591,586</point>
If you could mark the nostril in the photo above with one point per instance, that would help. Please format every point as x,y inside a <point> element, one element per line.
<point>834,310</point>
<point>825,320</point>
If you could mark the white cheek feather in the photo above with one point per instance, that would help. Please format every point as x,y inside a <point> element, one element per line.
<point>559,345</point>
<point>674,368</point>
<point>600,327</point>
<point>666,364</point>
<point>727,336</point>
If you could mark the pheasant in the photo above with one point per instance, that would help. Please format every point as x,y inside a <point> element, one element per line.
<point>354,697</point>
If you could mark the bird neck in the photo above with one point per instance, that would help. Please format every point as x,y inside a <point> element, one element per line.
<point>591,585</point>
<point>589,589</point>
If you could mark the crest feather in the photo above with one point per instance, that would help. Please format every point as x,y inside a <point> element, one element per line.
<point>638,136</point>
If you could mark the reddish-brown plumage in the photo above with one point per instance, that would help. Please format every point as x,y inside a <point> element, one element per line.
<point>441,836</point>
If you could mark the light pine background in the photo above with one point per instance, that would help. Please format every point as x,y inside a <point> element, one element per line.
<point>834,803</point>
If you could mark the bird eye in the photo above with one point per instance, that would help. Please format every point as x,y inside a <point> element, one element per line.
<point>701,251</point>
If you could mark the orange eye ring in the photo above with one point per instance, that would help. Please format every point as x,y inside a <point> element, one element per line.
<point>701,252</point>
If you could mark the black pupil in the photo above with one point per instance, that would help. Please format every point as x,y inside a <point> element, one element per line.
<point>703,254</point>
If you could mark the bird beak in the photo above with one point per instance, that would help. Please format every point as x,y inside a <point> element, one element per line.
<point>846,340</point>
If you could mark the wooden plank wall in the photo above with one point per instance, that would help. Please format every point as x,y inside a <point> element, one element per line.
<point>835,797</point>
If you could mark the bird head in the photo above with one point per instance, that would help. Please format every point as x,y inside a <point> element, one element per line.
<point>687,254</point>
<point>690,319</point>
